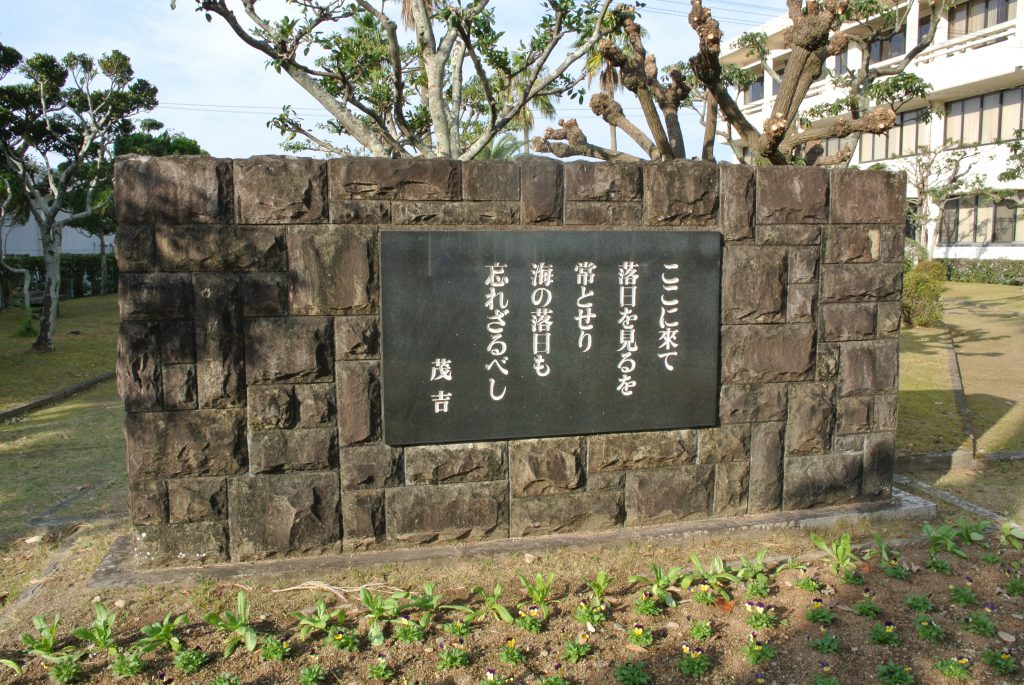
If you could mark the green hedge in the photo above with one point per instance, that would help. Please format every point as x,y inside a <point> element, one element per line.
<point>79,275</point>
<point>922,288</point>
<point>997,271</point>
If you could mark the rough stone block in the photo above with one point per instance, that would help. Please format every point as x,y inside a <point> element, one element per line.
<point>664,495</point>
<point>283,514</point>
<point>849,443</point>
<point>809,426</point>
<point>782,234</point>
<point>264,294</point>
<point>893,242</point>
<point>731,485</point>
<point>737,201</point>
<point>726,443</point>
<point>431,213</point>
<point>291,406</point>
<point>369,178</point>
<point>791,195</point>
<point>868,367</point>
<point>867,196</point>
<point>541,190</point>
<point>803,264</point>
<point>853,414</point>
<point>220,348</point>
<point>154,296</point>
<point>603,182</point>
<point>821,480</point>
<point>852,244</point>
<point>753,285</point>
<point>330,270</point>
<point>545,467</point>
<point>860,282</point>
<point>757,402</point>
<point>827,366</point>
<point>370,466</point>
<point>197,499</point>
<point>766,463</point>
<point>362,519</point>
<point>177,342</point>
<point>801,302</point>
<point>139,372</point>
<point>134,248</point>
<point>879,463</point>
<point>359,410</point>
<point>345,212</point>
<point>885,412</point>
<point>606,480</point>
<point>183,544</point>
<point>207,442</point>
<point>179,385</point>
<point>221,248</point>
<point>603,213</point>
<point>356,337</point>
<point>289,350</point>
<point>433,464</point>
<point>758,354</point>
<point>848,321</point>
<point>889,315</point>
<point>567,513</point>
<point>147,502</point>
<point>274,189</point>
<point>180,189</point>
<point>681,193</point>
<point>490,179</point>
<point>300,449</point>
<point>620,451</point>
<point>471,511</point>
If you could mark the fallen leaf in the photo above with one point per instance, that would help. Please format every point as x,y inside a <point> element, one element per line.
<point>1006,637</point>
<point>725,605</point>
<point>636,648</point>
<point>591,628</point>
<point>34,540</point>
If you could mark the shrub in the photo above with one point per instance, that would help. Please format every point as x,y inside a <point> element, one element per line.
<point>921,293</point>
<point>913,253</point>
<point>996,271</point>
<point>934,268</point>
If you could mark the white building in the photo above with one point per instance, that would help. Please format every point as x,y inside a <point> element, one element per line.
<point>976,68</point>
<point>25,240</point>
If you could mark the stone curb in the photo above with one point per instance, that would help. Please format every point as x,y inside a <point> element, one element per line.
<point>9,414</point>
<point>119,569</point>
<point>950,498</point>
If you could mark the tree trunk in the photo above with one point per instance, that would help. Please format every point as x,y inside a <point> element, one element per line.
<point>707,151</point>
<point>26,281</point>
<point>51,295</point>
<point>613,143</point>
<point>103,265</point>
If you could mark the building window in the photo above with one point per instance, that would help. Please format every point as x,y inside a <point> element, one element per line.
<point>988,118</point>
<point>840,67</point>
<point>975,15</point>
<point>924,25</point>
<point>905,138</point>
<point>826,147</point>
<point>754,91</point>
<point>893,45</point>
<point>979,220</point>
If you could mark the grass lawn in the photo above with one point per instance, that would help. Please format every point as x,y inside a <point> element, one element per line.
<point>84,348</point>
<point>986,296</point>
<point>928,416</point>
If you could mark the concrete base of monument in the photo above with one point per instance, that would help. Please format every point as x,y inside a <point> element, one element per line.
<point>119,567</point>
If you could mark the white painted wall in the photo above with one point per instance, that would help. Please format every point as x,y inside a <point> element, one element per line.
<point>24,240</point>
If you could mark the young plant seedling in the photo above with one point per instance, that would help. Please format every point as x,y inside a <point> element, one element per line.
<point>713,579</point>
<point>101,632</point>
<point>189,661</point>
<point>381,611</point>
<point>761,616</point>
<point>1001,661</point>
<point>701,630</point>
<point>958,668</point>
<point>867,607</point>
<point>885,634</point>
<point>820,613</point>
<point>236,625</point>
<point>943,539</point>
<point>160,635</point>
<point>632,673</point>
<point>641,636</point>
<point>453,655</point>
<point>660,582</point>
<point>839,552</point>
<point>757,651</point>
<point>319,620</point>
<point>891,673</point>
<point>693,663</point>
<point>828,643</point>
<point>578,649</point>
<point>928,630</point>
<point>274,649</point>
<point>127,664</point>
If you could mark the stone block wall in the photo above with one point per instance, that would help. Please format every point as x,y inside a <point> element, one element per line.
<point>249,352</point>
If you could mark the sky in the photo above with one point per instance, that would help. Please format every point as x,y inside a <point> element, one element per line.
<point>214,88</point>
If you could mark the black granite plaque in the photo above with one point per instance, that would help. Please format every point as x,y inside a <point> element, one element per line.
<point>489,335</point>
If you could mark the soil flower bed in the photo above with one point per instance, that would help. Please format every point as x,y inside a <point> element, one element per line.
<point>947,607</point>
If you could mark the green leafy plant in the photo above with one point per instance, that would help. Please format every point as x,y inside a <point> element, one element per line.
<point>693,663</point>
<point>380,671</point>
<point>828,643</point>
<point>1011,535</point>
<point>492,604</point>
<point>312,674</point>
<point>717,576</point>
<point>896,570</point>
<point>1002,662</point>
<point>44,643</point>
<point>882,551</point>
<point>754,575</point>
<point>701,630</point>
<point>274,649</point>
<point>954,669</point>
<point>839,552</point>
<point>457,628</point>
<point>594,610</point>
<point>791,564</point>
<point>533,613</point>
<point>127,664</point>
<point>554,679</point>
<point>65,669</point>
<point>885,634</point>
<point>512,653</point>
<point>824,675</point>
<point>891,673</point>
<point>938,565</point>
<point>963,595</point>
<point>226,678</point>
<point>757,651</point>
<point>491,677</point>
<point>919,603</point>
<point>991,558</point>
<point>928,630</point>
<point>819,612</point>
<point>809,584</point>
<point>407,630</point>
<point>632,673</point>
<point>345,640</point>
<point>648,605</point>
<point>578,649</point>
<point>319,620</point>
<point>236,625</point>
<point>160,635</point>
<point>867,607</point>
<point>11,664</point>
<point>943,539</point>
<point>381,611</point>
<point>640,636</point>
<point>853,577</point>
<point>971,532</point>
<point>660,582</point>
<point>452,656</point>
<point>980,623</point>
<point>189,661</point>
<point>760,615</point>
<point>100,632</point>
<point>1015,587</point>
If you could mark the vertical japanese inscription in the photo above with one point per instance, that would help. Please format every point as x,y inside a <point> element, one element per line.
<point>628,276</point>
<point>496,303</point>
<point>542,277</point>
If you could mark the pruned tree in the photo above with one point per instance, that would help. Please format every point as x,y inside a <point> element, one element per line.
<point>444,87</point>
<point>55,123</point>
<point>13,212</point>
<point>820,29</point>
